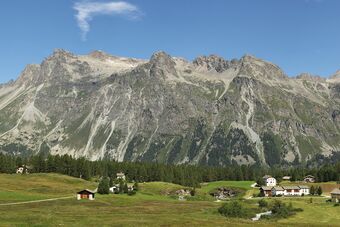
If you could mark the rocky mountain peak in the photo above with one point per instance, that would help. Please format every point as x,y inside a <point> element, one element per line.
<point>161,57</point>
<point>162,63</point>
<point>171,111</point>
<point>61,52</point>
<point>60,55</point>
<point>101,55</point>
<point>253,66</point>
<point>29,74</point>
<point>212,62</point>
<point>308,76</point>
<point>336,75</point>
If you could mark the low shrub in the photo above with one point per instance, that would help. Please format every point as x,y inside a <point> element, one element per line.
<point>282,210</point>
<point>263,203</point>
<point>131,192</point>
<point>234,209</point>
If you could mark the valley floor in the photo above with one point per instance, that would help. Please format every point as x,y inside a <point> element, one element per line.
<point>151,206</point>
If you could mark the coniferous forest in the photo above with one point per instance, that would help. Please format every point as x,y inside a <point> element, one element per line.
<point>187,175</point>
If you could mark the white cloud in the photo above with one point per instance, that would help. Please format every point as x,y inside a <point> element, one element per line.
<point>87,10</point>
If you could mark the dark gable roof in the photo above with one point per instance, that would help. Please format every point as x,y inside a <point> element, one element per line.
<point>266,188</point>
<point>86,190</point>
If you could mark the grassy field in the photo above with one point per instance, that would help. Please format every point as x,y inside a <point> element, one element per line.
<point>15,188</point>
<point>150,207</point>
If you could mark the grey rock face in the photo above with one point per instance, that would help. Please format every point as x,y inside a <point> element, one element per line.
<point>210,111</point>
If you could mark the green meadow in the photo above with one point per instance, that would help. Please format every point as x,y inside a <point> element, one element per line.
<point>153,205</point>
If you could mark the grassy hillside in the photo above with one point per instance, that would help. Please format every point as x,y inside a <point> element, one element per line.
<point>206,187</point>
<point>15,187</point>
<point>151,206</point>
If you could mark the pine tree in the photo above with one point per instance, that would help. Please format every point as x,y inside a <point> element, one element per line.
<point>104,187</point>
<point>121,186</point>
<point>111,181</point>
<point>319,191</point>
<point>125,189</point>
<point>312,190</point>
<point>136,186</point>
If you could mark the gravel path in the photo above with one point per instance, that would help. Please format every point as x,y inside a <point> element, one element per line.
<point>36,201</point>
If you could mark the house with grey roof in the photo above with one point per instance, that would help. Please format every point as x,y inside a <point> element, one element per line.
<point>278,191</point>
<point>335,195</point>
<point>285,190</point>
<point>266,191</point>
<point>291,190</point>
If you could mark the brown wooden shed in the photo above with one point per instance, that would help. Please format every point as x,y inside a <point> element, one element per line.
<point>85,194</point>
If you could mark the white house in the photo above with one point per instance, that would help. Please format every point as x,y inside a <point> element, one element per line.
<point>292,190</point>
<point>269,181</point>
<point>121,175</point>
<point>22,170</point>
<point>289,190</point>
<point>304,190</point>
<point>286,177</point>
<point>309,179</point>
<point>113,189</point>
<point>277,191</point>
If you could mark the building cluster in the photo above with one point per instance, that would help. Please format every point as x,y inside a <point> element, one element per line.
<point>116,187</point>
<point>23,169</point>
<point>272,189</point>
<point>88,194</point>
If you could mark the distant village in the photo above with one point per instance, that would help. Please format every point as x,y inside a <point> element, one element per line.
<point>271,189</point>
<point>120,185</point>
<point>268,188</point>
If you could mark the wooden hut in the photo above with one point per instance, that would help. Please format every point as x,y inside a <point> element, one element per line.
<point>335,194</point>
<point>85,194</point>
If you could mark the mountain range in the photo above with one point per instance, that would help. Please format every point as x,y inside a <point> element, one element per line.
<point>209,111</point>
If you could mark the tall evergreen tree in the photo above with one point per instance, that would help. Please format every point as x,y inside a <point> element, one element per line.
<point>104,187</point>
<point>312,190</point>
<point>319,191</point>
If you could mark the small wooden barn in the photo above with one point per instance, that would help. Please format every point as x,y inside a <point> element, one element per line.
<point>266,191</point>
<point>335,194</point>
<point>85,194</point>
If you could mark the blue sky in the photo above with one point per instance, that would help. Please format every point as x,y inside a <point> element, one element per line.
<point>298,35</point>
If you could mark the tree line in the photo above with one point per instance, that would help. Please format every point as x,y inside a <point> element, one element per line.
<point>187,175</point>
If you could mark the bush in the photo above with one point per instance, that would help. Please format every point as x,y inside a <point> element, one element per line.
<point>282,210</point>
<point>234,209</point>
<point>193,192</point>
<point>337,204</point>
<point>263,203</point>
<point>131,192</point>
